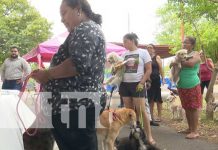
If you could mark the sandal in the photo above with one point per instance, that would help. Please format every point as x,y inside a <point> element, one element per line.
<point>187,131</point>
<point>192,136</point>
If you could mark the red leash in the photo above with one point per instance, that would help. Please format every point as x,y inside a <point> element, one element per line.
<point>114,114</point>
<point>36,108</point>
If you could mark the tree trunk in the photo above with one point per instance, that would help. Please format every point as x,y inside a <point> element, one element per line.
<point>209,95</point>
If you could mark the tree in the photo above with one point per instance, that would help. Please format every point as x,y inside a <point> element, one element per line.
<point>21,25</point>
<point>201,20</point>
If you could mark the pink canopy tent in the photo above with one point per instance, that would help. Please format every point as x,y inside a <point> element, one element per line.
<point>44,51</point>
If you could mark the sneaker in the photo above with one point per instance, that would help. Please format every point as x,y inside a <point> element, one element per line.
<point>153,123</point>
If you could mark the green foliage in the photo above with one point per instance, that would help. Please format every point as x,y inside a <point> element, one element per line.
<point>21,25</point>
<point>201,21</point>
<point>193,9</point>
<point>170,26</point>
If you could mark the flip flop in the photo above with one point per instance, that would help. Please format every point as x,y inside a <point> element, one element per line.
<point>192,136</point>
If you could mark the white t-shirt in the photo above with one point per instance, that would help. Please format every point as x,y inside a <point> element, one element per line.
<point>134,70</point>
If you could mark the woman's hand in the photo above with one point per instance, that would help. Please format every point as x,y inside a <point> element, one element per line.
<point>41,76</point>
<point>139,87</point>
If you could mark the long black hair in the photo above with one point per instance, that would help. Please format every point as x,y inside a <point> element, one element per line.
<point>86,8</point>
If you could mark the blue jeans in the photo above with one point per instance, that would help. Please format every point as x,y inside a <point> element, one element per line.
<point>11,85</point>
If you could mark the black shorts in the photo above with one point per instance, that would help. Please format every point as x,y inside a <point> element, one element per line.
<point>128,89</point>
<point>154,92</point>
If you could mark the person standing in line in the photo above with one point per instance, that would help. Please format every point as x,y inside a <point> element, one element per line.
<point>132,88</point>
<point>206,68</point>
<point>154,92</point>
<point>15,69</point>
<point>189,88</point>
<point>78,66</point>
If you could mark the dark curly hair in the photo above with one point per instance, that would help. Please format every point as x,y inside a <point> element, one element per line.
<point>86,8</point>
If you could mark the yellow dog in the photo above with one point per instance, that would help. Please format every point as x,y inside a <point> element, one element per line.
<point>112,121</point>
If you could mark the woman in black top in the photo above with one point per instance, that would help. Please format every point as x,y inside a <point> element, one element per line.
<point>78,66</point>
<point>154,93</point>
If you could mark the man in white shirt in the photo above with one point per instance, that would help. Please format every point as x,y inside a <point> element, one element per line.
<point>15,69</point>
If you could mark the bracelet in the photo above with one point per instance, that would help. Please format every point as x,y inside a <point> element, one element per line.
<point>48,74</point>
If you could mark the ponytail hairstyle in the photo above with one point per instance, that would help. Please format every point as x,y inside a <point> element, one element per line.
<point>86,8</point>
<point>132,37</point>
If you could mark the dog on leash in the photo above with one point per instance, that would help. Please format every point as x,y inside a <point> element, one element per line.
<point>112,121</point>
<point>176,108</point>
<point>181,55</point>
<point>118,68</point>
<point>136,141</point>
<point>166,98</point>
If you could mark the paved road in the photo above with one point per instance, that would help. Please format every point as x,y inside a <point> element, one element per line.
<point>168,139</point>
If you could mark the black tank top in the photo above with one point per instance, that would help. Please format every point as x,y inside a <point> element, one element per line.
<point>155,69</point>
